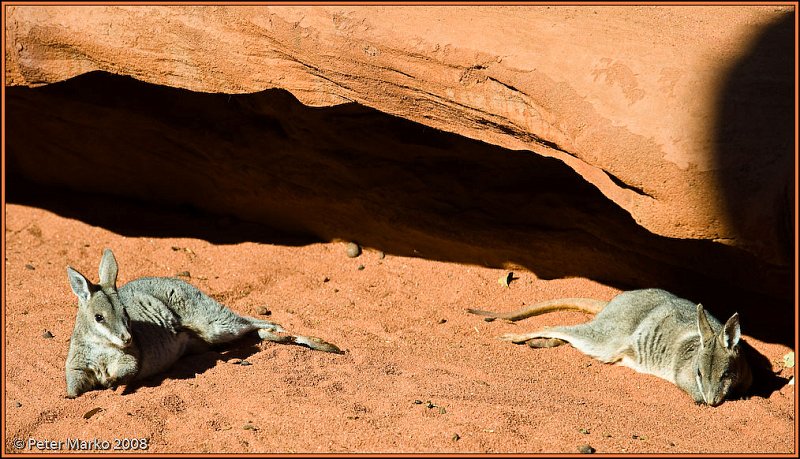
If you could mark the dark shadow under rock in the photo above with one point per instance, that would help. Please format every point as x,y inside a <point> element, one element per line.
<point>124,154</point>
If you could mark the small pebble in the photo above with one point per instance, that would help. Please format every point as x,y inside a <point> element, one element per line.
<point>92,412</point>
<point>326,279</point>
<point>456,437</point>
<point>263,311</point>
<point>183,274</point>
<point>360,267</point>
<point>586,449</point>
<point>584,431</point>
<point>506,279</point>
<point>430,404</point>
<point>442,410</point>
<point>381,255</point>
<point>29,266</point>
<point>417,402</point>
<point>441,321</point>
<point>353,249</point>
<point>236,361</point>
<point>249,427</point>
<point>47,334</point>
<point>18,404</point>
<point>244,363</point>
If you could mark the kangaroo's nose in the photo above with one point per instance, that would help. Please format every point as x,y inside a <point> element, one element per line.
<point>126,338</point>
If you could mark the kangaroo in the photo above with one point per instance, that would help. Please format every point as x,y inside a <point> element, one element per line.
<point>651,331</point>
<point>149,323</point>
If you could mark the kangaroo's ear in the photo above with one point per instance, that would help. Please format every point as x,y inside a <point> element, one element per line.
<point>108,269</point>
<point>703,327</point>
<point>731,332</point>
<point>80,286</point>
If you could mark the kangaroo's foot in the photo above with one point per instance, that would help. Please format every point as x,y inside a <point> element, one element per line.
<point>533,339</point>
<point>518,338</point>
<point>545,342</point>
<point>312,342</point>
<point>267,325</point>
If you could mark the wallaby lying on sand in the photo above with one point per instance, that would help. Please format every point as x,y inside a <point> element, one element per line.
<point>147,325</point>
<point>651,331</point>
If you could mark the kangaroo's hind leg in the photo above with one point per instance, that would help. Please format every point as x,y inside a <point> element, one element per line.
<point>214,323</point>
<point>228,326</point>
<point>583,337</point>
<point>224,326</point>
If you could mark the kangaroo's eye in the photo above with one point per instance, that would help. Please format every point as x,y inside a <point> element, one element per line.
<point>99,318</point>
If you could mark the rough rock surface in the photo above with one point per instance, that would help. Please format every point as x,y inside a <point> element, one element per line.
<point>687,129</point>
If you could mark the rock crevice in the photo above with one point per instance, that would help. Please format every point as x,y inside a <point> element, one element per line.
<point>350,172</point>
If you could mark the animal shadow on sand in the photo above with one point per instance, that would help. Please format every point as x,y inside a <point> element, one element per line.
<point>765,379</point>
<point>191,365</point>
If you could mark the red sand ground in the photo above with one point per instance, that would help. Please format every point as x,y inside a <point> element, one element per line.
<point>407,337</point>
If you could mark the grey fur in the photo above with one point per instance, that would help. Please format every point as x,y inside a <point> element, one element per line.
<point>651,331</point>
<point>148,324</point>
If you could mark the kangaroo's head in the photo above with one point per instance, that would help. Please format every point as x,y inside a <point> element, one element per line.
<point>722,369</point>
<point>100,310</point>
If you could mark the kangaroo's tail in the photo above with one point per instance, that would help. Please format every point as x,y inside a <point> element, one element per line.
<point>582,304</point>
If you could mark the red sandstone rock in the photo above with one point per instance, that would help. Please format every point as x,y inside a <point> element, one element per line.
<point>629,97</point>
